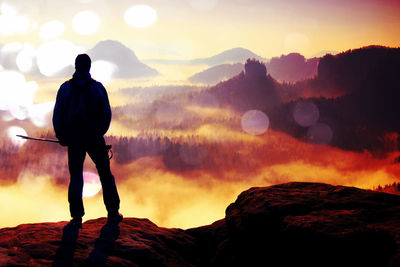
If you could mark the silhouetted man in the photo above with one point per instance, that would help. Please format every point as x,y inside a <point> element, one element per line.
<point>81,117</point>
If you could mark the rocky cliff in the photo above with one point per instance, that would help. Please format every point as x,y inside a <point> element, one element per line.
<point>294,224</point>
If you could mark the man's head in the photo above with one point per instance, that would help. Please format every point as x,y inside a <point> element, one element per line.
<point>82,63</point>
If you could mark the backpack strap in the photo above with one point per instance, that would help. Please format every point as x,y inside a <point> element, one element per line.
<point>73,83</point>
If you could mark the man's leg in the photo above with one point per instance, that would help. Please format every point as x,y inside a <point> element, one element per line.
<point>76,157</point>
<point>99,154</point>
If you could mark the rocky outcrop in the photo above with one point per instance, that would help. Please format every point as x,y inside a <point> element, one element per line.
<point>294,224</point>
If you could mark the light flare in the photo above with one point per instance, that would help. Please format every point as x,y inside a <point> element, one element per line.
<point>11,23</point>
<point>40,114</point>
<point>306,113</point>
<point>86,22</point>
<point>320,133</point>
<point>25,58</point>
<point>52,30</point>
<point>255,122</point>
<point>103,71</point>
<point>10,48</point>
<point>12,135</point>
<point>8,55</point>
<point>15,91</point>
<point>91,185</point>
<point>17,99</point>
<point>8,10</point>
<point>55,56</point>
<point>6,116</point>
<point>140,16</point>
<point>18,112</point>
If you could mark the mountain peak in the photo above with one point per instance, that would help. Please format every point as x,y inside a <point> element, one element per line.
<point>233,55</point>
<point>107,48</point>
<point>129,66</point>
<point>237,50</point>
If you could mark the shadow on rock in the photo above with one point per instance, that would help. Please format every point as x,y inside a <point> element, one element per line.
<point>104,245</point>
<point>65,253</point>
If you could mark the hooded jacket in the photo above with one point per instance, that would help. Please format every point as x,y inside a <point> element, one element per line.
<point>82,111</point>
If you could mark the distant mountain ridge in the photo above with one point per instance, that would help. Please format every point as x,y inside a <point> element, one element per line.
<point>217,73</point>
<point>251,89</point>
<point>234,55</point>
<point>356,94</point>
<point>129,66</point>
<point>286,68</point>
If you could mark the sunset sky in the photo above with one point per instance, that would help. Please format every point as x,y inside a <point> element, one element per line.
<point>185,29</point>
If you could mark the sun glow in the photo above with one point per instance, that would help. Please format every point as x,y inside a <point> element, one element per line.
<point>103,71</point>
<point>91,185</point>
<point>255,122</point>
<point>25,58</point>
<point>140,16</point>
<point>12,134</point>
<point>12,23</point>
<point>52,30</point>
<point>15,91</point>
<point>55,56</point>
<point>40,114</point>
<point>86,22</point>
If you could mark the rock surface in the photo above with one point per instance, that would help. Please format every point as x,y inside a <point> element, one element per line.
<point>293,224</point>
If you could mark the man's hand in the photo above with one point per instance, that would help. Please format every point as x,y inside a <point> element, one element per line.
<point>62,141</point>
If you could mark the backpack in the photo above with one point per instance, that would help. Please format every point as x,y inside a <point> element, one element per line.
<point>80,111</point>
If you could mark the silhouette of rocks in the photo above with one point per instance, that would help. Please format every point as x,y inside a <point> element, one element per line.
<point>251,89</point>
<point>293,67</point>
<point>293,224</point>
<point>357,94</point>
<point>255,69</point>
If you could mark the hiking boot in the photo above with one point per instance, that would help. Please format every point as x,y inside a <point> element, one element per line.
<point>75,223</point>
<point>114,218</point>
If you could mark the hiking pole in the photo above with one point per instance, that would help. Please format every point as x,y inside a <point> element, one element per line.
<point>108,147</point>
<point>38,139</point>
